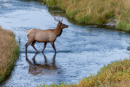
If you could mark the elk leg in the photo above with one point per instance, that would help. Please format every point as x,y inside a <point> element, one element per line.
<point>53,45</point>
<point>34,61</point>
<point>44,46</point>
<point>26,45</point>
<point>45,58</point>
<point>33,43</point>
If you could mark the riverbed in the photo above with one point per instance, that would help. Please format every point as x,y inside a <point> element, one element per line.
<point>81,50</point>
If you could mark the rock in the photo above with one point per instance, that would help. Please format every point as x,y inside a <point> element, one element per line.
<point>112,22</point>
<point>128,48</point>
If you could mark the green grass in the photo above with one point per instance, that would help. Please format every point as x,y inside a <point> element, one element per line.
<point>116,74</point>
<point>95,11</point>
<point>9,52</point>
<point>123,25</point>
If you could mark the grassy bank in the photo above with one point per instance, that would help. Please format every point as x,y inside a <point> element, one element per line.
<point>9,52</point>
<point>116,74</point>
<point>96,11</point>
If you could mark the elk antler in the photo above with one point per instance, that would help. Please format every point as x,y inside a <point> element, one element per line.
<point>61,20</point>
<point>55,18</point>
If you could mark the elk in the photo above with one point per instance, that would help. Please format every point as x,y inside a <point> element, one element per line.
<point>45,36</point>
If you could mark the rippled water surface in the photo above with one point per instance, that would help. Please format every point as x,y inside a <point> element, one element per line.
<point>82,50</point>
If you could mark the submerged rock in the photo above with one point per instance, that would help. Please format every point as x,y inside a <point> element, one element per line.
<point>128,48</point>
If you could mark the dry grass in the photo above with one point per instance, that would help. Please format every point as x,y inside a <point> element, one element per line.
<point>96,11</point>
<point>9,52</point>
<point>116,74</point>
<point>112,75</point>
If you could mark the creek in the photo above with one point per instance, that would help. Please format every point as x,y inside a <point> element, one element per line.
<point>81,50</point>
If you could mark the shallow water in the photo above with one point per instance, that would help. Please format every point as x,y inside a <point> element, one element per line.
<point>81,50</point>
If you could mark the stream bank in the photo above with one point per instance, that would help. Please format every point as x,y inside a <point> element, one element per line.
<point>109,13</point>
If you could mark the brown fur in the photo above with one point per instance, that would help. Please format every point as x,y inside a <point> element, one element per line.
<point>49,35</point>
<point>29,31</point>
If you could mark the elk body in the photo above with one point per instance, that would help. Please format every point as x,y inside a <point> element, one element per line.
<point>49,35</point>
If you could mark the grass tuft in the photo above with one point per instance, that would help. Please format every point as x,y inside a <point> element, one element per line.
<point>123,25</point>
<point>9,52</point>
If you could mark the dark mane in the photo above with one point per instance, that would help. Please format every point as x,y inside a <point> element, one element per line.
<point>60,33</point>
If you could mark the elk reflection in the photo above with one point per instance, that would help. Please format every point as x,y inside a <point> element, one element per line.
<point>35,68</point>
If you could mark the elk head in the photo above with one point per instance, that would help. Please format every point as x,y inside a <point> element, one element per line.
<point>60,24</point>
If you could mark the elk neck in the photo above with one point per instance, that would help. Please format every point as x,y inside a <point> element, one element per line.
<point>58,31</point>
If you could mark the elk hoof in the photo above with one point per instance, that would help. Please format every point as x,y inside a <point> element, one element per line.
<point>42,51</point>
<point>37,51</point>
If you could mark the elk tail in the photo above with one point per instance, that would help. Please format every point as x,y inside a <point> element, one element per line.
<point>29,31</point>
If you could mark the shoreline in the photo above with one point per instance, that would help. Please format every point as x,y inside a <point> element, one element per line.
<point>82,15</point>
<point>10,51</point>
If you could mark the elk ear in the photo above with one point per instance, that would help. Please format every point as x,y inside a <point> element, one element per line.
<point>60,23</point>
